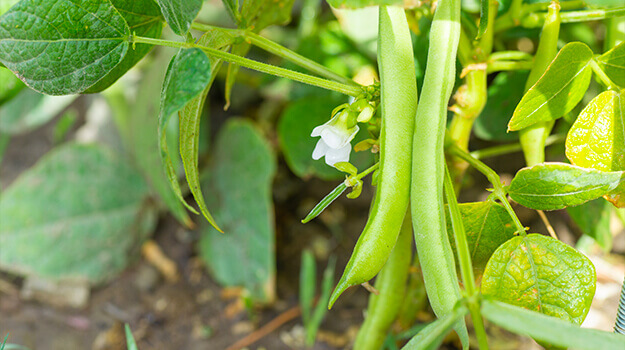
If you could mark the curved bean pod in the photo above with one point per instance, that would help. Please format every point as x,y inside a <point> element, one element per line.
<point>398,103</point>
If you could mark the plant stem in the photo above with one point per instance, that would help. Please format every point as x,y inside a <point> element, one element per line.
<point>280,51</point>
<point>591,15</point>
<point>509,20</point>
<point>464,260</point>
<point>493,177</point>
<point>511,148</point>
<point>510,56</point>
<point>605,80</point>
<point>498,66</point>
<point>258,66</point>
<point>368,171</point>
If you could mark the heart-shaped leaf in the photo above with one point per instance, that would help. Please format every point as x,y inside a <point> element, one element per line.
<point>62,47</point>
<point>542,274</point>
<point>613,64</point>
<point>597,138</point>
<point>551,186</point>
<point>556,93</point>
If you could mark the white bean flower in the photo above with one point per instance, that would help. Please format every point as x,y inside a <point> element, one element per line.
<point>336,136</point>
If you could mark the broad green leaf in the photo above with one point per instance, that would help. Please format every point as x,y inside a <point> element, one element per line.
<point>294,128</point>
<point>144,19</point>
<point>259,14</point>
<point>78,213</point>
<point>549,329</point>
<point>542,274</point>
<point>613,64</point>
<point>556,93</point>
<point>504,94</point>
<point>431,337</point>
<point>239,188</point>
<point>551,186</point>
<point>187,75</point>
<point>29,110</point>
<point>179,14</point>
<point>62,47</point>
<point>354,4</point>
<point>593,219</point>
<point>597,138</point>
<point>487,225</point>
<point>10,85</point>
<point>189,121</point>
<point>143,140</point>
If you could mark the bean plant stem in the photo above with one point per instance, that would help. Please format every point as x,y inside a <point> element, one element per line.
<point>258,66</point>
<point>605,80</point>
<point>493,177</point>
<point>498,66</point>
<point>511,148</point>
<point>280,51</point>
<point>464,260</point>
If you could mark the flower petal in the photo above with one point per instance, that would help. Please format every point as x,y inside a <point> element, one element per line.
<point>320,149</point>
<point>318,130</point>
<point>334,156</point>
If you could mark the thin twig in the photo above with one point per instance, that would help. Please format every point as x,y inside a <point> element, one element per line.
<point>274,324</point>
<point>550,229</point>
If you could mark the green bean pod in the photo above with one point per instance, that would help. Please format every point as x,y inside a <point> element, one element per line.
<point>391,283</point>
<point>533,138</point>
<point>428,167</point>
<point>398,103</point>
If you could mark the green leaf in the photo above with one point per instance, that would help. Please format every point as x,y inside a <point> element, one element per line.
<point>542,274</point>
<point>487,225</point>
<point>144,19</point>
<point>29,110</point>
<point>549,329</point>
<point>504,94</point>
<point>78,213</point>
<point>259,14</point>
<point>551,186</point>
<point>354,4</point>
<point>187,75</point>
<point>431,337</point>
<point>593,219</point>
<point>131,344</point>
<point>613,64</point>
<point>597,138</point>
<point>179,14</point>
<point>324,297</point>
<point>294,128</point>
<point>556,93</point>
<point>190,117</point>
<point>10,85</point>
<point>325,202</point>
<point>143,141</point>
<point>62,47</point>
<point>240,191</point>
<point>307,284</point>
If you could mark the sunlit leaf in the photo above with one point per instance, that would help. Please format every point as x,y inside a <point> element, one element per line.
<point>487,225</point>
<point>556,93</point>
<point>613,63</point>
<point>62,47</point>
<point>551,186</point>
<point>354,4</point>
<point>597,138</point>
<point>542,274</point>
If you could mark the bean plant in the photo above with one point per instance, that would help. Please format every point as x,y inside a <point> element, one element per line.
<point>440,65</point>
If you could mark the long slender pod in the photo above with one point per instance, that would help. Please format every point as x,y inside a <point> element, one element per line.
<point>428,167</point>
<point>533,138</point>
<point>398,103</point>
<point>391,283</point>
